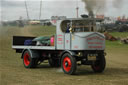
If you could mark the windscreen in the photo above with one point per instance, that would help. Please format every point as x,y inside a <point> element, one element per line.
<point>78,26</point>
<point>81,26</point>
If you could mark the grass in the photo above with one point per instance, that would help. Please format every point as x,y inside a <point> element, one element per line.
<point>116,44</point>
<point>12,71</point>
<point>42,30</point>
<point>120,34</point>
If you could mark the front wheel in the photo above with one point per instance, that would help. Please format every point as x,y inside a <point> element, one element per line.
<point>99,65</point>
<point>68,64</point>
<point>28,61</point>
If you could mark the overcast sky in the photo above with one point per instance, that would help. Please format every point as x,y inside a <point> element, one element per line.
<point>13,9</point>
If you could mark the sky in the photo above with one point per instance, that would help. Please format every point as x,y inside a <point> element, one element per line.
<point>13,9</point>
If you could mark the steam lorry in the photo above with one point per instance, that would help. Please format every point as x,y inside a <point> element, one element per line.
<point>76,40</point>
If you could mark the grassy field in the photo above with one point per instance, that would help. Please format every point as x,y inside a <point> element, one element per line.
<point>120,34</point>
<point>12,71</point>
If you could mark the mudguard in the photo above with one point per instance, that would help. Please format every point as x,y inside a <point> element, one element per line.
<point>68,51</point>
<point>33,53</point>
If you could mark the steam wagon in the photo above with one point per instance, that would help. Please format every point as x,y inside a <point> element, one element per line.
<point>76,40</point>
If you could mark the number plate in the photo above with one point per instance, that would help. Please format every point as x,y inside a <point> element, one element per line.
<point>91,57</point>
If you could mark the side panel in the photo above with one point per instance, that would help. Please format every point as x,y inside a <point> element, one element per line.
<point>59,36</point>
<point>60,41</point>
<point>67,41</point>
<point>78,43</point>
<point>23,41</point>
<point>91,41</point>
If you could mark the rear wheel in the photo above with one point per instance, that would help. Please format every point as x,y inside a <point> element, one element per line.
<point>28,61</point>
<point>68,64</point>
<point>99,65</point>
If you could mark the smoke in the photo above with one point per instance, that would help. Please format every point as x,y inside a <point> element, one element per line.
<point>94,5</point>
<point>100,5</point>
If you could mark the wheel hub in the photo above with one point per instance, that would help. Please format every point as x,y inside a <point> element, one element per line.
<point>66,64</point>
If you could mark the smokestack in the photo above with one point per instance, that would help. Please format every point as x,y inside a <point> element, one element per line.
<point>91,15</point>
<point>77,12</point>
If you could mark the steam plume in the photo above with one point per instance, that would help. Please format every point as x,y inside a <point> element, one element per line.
<point>93,5</point>
<point>100,5</point>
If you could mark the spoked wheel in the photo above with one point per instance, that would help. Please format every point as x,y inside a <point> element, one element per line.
<point>68,64</point>
<point>28,61</point>
<point>99,65</point>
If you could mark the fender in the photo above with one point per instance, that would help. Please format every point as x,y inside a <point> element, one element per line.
<point>34,54</point>
<point>68,51</point>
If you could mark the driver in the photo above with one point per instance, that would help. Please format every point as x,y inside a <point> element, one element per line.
<point>68,28</point>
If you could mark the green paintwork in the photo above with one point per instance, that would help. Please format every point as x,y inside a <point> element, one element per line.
<point>43,39</point>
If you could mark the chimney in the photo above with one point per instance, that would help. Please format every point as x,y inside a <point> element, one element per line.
<point>91,15</point>
<point>77,12</point>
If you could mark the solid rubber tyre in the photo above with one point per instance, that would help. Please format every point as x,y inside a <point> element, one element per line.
<point>28,61</point>
<point>99,65</point>
<point>68,64</point>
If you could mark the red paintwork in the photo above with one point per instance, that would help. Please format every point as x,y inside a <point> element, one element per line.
<point>26,59</point>
<point>60,39</point>
<point>95,43</point>
<point>68,67</point>
<point>67,41</point>
<point>95,37</point>
<point>76,47</point>
<point>95,46</point>
<point>60,35</point>
<point>52,41</point>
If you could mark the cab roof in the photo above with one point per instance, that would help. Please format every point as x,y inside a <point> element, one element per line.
<point>75,19</point>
